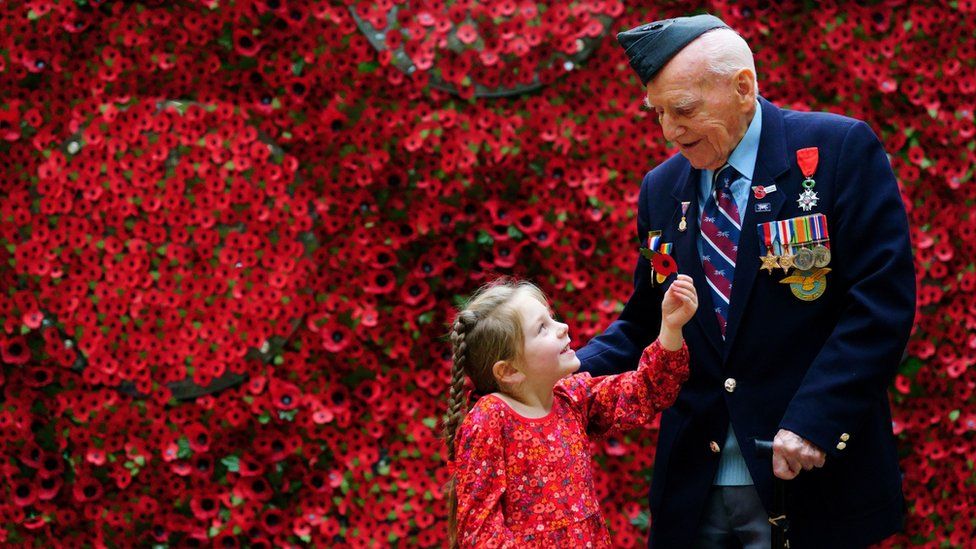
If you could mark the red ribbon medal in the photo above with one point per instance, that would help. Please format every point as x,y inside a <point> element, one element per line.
<point>807,159</point>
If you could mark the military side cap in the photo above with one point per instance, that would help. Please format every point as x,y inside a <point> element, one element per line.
<point>652,45</point>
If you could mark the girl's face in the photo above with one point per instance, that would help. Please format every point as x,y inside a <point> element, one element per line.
<point>547,356</point>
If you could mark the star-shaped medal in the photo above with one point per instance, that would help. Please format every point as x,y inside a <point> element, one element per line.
<point>770,262</point>
<point>808,199</point>
<point>786,262</point>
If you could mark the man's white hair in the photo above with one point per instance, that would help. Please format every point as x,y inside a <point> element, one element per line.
<point>726,52</point>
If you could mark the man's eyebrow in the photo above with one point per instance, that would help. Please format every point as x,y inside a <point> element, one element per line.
<point>647,103</point>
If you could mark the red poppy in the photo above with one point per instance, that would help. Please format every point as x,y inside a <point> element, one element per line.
<point>664,265</point>
<point>14,350</point>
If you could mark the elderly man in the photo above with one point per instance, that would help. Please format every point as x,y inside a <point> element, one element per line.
<point>792,226</point>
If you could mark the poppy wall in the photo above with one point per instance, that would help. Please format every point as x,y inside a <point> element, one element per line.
<point>232,236</point>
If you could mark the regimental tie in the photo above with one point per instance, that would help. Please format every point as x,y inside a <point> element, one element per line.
<point>720,230</point>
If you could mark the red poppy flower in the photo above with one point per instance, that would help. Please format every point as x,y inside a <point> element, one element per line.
<point>14,350</point>
<point>664,265</point>
<point>87,489</point>
<point>204,506</point>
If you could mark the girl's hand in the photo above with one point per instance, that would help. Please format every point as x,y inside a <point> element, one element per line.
<point>680,303</point>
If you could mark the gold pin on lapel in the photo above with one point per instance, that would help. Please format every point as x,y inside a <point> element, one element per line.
<point>683,224</point>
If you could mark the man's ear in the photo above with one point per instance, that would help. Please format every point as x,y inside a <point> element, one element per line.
<point>744,81</point>
<point>506,373</point>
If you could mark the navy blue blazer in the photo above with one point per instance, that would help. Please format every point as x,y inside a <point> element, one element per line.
<point>819,368</point>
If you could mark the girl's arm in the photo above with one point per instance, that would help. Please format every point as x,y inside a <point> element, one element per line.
<point>480,470</point>
<point>630,399</point>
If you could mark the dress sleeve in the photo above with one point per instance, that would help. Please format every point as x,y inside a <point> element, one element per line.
<point>480,481</point>
<point>630,399</point>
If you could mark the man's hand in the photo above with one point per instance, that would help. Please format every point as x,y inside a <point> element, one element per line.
<point>792,454</point>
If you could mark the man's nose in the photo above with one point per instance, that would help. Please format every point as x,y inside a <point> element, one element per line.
<point>671,129</point>
<point>563,329</point>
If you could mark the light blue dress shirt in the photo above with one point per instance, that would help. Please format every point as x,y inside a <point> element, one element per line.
<point>732,470</point>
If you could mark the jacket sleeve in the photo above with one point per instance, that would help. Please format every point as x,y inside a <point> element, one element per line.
<point>630,399</point>
<point>480,483</point>
<point>869,234</point>
<point>618,348</point>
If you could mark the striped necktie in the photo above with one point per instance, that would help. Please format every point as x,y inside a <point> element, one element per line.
<point>720,228</point>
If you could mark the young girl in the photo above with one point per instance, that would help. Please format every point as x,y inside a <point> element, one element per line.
<point>520,456</point>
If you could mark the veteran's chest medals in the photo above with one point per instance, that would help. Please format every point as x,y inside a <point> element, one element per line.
<point>800,245</point>
<point>808,159</point>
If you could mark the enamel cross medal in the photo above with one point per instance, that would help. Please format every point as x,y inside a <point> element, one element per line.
<point>807,159</point>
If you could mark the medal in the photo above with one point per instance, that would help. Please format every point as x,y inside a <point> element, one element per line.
<point>683,224</point>
<point>787,238</point>
<point>804,259</point>
<point>770,261</point>
<point>807,159</point>
<point>808,199</point>
<point>821,256</point>
<point>787,262</point>
<point>807,285</point>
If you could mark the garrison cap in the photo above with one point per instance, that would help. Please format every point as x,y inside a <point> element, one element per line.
<point>650,46</point>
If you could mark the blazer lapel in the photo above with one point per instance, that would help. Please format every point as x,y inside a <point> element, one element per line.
<point>686,255</point>
<point>771,163</point>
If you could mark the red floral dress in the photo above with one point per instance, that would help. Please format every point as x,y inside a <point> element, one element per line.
<point>527,482</point>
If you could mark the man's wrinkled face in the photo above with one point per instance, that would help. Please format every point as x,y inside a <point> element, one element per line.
<point>704,114</point>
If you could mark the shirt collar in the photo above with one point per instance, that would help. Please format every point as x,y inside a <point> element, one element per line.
<point>743,158</point>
